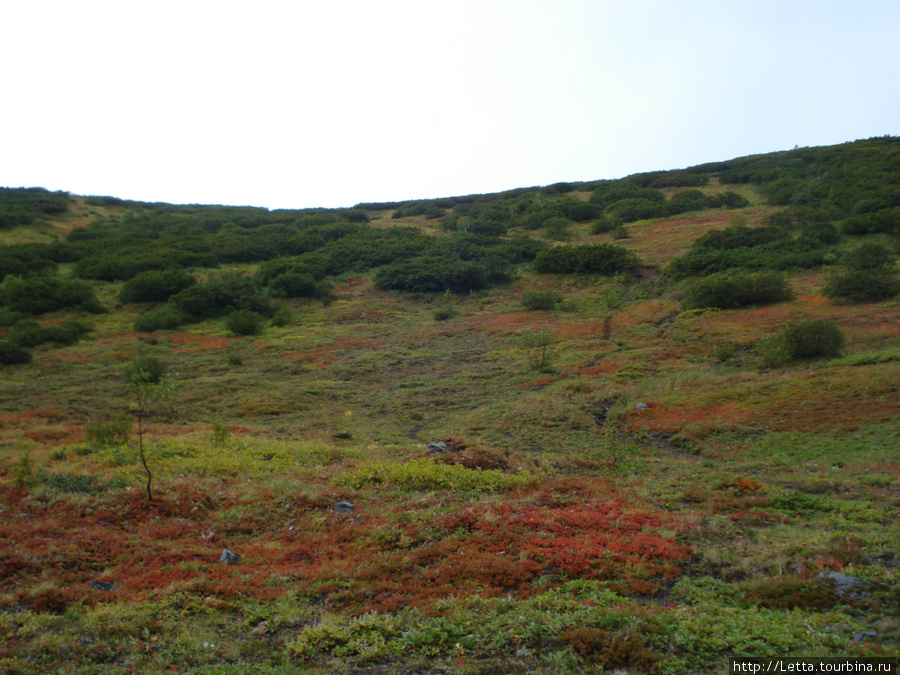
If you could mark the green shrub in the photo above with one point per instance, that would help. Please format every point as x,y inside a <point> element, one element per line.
<point>680,179</point>
<point>813,339</point>
<point>283,317</point>
<point>862,285</point>
<point>31,333</point>
<point>295,285</point>
<point>689,200</point>
<point>732,290</point>
<point>605,259</point>
<point>444,313</point>
<point>155,286</point>
<point>12,354</point>
<point>9,317</point>
<point>433,275</point>
<point>165,317</point>
<point>869,256</point>
<point>148,368</point>
<point>606,224</point>
<point>558,229</point>
<point>540,300</point>
<point>729,200</point>
<point>633,209</point>
<point>39,295</point>
<point>197,302</point>
<point>245,322</point>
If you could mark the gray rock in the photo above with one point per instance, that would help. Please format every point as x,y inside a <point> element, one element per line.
<point>440,446</point>
<point>796,567</point>
<point>229,557</point>
<point>847,586</point>
<point>642,406</point>
<point>864,635</point>
<point>343,507</point>
<point>100,585</point>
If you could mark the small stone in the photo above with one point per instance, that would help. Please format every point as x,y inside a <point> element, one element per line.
<point>261,628</point>
<point>440,446</point>
<point>642,406</point>
<point>343,507</point>
<point>864,635</point>
<point>100,585</point>
<point>797,567</point>
<point>847,586</point>
<point>229,557</point>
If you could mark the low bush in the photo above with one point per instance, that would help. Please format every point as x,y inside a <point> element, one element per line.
<point>148,368</point>
<point>155,286</point>
<point>813,339</point>
<point>732,290</point>
<point>558,229</point>
<point>433,275</point>
<point>12,354</point>
<point>444,313</point>
<point>689,200</point>
<point>540,300</point>
<point>165,317</point>
<point>31,333</point>
<point>245,322</point>
<point>869,256</point>
<point>39,295</point>
<point>728,200</point>
<point>606,224</point>
<point>196,302</point>
<point>283,317</point>
<point>638,208</point>
<point>862,285</point>
<point>605,259</point>
<point>299,285</point>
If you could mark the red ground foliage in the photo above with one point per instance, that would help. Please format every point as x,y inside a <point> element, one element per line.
<point>365,561</point>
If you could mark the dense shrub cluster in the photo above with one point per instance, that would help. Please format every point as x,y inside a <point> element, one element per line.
<point>13,354</point>
<point>458,264</point>
<point>869,275</point>
<point>21,206</point>
<point>854,182</point>
<point>733,289</point>
<point>245,322</point>
<point>434,275</point>
<point>587,259</point>
<point>813,339</point>
<point>805,340</point>
<point>427,209</point>
<point>30,333</point>
<point>751,248</point>
<point>155,286</point>
<point>150,369</point>
<point>540,300</point>
<point>39,295</point>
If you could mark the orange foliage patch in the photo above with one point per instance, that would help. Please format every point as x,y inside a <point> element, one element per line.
<point>606,367</point>
<point>68,358</point>
<point>539,382</point>
<point>199,341</point>
<point>671,419</point>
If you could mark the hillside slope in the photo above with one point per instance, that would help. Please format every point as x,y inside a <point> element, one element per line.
<point>668,404</point>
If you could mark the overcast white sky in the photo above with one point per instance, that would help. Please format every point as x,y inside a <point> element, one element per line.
<point>302,103</point>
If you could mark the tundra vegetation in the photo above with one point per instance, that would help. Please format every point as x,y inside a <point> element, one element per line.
<point>656,440</point>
